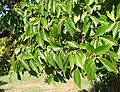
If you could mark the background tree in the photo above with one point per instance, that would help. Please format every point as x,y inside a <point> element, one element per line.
<point>9,26</point>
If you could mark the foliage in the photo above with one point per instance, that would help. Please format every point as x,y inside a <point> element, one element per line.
<point>9,26</point>
<point>67,38</point>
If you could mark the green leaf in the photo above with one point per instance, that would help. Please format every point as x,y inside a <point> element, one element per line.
<point>38,1</point>
<point>113,61</point>
<point>102,49</point>
<point>69,8</point>
<point>51,61</point>
<point>25,64</point>
<point>118,12</point>
<point>41,54</point>
<point>54,6</point>
<point>40,41</point>
<point>73,44</point>
<point>83,45</point>
<point>71,60</point>
<point>112,53</point>
<point>44,23</point>
<point>33,66</point>
<point>101,30</point>
<point>86,28</point>
<point>109,40</point>
<point>115,31</point>
<point>70,30</point>
<point>41,9</point>
<point>28,56</point>
<point>33,19</point>
<point>78,60</point>
<point>110,27</point>
<point>95,20</point>
<point>58,11</point>
<point>108,65</point>
<point>89,67</point>
<point>89,48</point>
<point>89,2</point>
<point>59,62</point>
<point>55,46</point>
<point>17,50</point>
<point>90,10</point>
<point>76,18</point>
<point>56,30</point>
<point>44,35</point>
<point>71,23</point>
<point>77,77</point>
<point>110,16</point>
